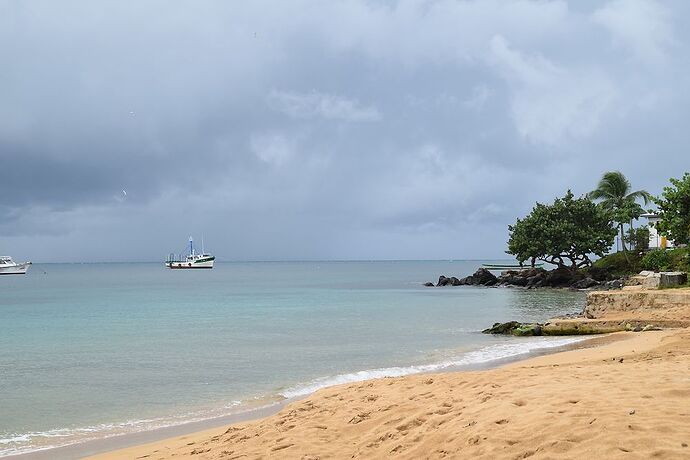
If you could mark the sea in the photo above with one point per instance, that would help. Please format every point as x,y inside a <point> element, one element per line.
<point>91,351</point>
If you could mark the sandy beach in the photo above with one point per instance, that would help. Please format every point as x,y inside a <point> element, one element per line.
<point>629,397</point>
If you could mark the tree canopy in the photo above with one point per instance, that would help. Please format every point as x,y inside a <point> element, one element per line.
<point>564,233</point>
<point>674,210</point>
<point>616,197</point>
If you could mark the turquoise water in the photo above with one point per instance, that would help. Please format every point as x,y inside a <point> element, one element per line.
<point>94,350</point>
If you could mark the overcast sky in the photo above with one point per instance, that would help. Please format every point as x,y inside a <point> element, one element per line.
<point>325,129</point>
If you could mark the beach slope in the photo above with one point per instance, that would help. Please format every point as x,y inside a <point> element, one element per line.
<point>629,398</point>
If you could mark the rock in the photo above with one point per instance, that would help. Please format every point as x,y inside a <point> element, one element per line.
<point>615,284</point>
<point>484,277</point>
<point>454,281</point>
<point>638,328</point>
<point>650,327</point>
<point>515,328</point>
<point>585,284</point>
<point>527,330</point>
<point>652,281</point>
<point>466,281</point>
<point>670,279</point>
<point>561,277</point>
<point>443,281</point>
<point>429,284</point>
<point>502,328</point>
<point>513,279</point>
<point>598,274</point>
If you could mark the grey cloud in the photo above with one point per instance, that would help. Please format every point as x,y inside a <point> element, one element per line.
<point>307,129</point>
<point>327,106</point>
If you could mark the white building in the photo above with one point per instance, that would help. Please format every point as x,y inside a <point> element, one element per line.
<point>656,241</point>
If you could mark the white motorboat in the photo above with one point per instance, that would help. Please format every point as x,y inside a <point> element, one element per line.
<point>192,260</point>
<point>10,267</point>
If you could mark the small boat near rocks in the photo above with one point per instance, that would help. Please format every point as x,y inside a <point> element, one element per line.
<point>511,267</point>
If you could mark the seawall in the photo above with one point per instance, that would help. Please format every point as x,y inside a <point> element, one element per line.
<point>663,305</point>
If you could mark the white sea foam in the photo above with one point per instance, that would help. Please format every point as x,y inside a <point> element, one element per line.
<point>19,443</point>
<point>477,357</point>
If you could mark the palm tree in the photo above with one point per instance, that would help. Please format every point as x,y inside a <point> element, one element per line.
<point>614,192</point>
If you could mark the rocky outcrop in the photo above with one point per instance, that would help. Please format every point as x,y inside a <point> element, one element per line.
<point>612,311</point>
<point>533,278</point>
<point>481,277</point>
<point>579,327</point>
<point>567,327</point>
<point>584,283</point>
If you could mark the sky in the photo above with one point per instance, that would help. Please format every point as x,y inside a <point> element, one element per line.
<point>304,129</point>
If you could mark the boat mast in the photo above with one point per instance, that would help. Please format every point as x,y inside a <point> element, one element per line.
<point>191,246</point>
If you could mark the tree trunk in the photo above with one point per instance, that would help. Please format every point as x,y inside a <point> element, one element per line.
<point>625,251</point>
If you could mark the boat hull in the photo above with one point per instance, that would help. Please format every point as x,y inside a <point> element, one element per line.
<point>184,265</point>
<point>18,269</point>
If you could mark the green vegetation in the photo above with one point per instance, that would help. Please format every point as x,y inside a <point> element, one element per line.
<point>617,265</point>
<point>638,238</point>
<point>570,231</point>
<point>616,197</point>
<point>674,210</point>
<point>667,260</point>
<point>564,233</point>
<point>656,260</point>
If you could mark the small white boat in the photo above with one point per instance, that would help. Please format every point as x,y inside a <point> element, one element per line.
<point>511,267</point>
<point>10,267</point>
<point>192,260</point>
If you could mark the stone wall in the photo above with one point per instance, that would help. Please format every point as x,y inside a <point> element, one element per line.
<point>666,304</point>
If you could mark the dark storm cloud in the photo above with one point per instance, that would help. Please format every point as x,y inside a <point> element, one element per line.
<point>304,129</point>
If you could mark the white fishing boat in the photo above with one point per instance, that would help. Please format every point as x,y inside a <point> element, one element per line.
<point>192,260</point>
<point>10,267</point>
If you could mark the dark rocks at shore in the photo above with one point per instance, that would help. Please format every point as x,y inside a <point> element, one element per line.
<point>531,278</point>
<point>515,328</point>
<point>615,284</point>
<point>481,277</point>
<point>573,325</point>
<point>585,283</point>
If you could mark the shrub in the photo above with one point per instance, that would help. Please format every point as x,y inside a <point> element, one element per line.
<point>657,260</point>
<point>680,259</point>
<point>616,265</point>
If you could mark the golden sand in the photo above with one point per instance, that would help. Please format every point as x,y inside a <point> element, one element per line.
<point>626,399</point>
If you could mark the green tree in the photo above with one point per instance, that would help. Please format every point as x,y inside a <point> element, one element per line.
<point>564,233</point>
<point>616,197</point>
<point>638,238</point>
<point>674,210</point>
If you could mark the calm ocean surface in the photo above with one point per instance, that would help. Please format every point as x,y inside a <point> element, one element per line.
<point>94,350</point>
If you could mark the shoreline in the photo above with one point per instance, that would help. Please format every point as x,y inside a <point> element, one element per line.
<point>130,440</point>
<point>310,432</point>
